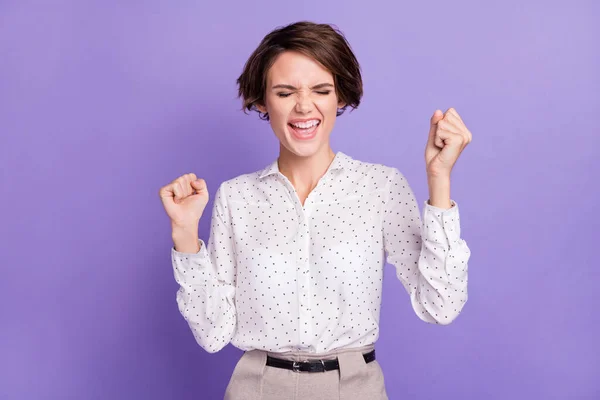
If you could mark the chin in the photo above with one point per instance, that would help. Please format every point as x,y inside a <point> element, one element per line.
<point>304,149</point>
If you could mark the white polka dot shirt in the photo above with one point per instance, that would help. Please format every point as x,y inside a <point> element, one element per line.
<point>281,276</point>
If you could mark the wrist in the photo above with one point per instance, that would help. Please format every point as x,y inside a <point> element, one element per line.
<point>439,191</point>
<point>185,239</point>
<point>184,231</point>
<point>438,176</point>
<point>185,225</point>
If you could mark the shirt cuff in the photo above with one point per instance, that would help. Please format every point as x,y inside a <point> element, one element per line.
<point>199,255</point>
<point>439,222</point>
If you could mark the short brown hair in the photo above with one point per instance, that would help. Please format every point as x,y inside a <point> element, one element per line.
<point>321,42</point>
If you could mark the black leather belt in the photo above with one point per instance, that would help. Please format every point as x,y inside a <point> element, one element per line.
<point>312,366</point>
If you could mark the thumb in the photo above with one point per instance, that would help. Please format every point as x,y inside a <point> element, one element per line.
<point>199,185</point>
<point>435,118</point>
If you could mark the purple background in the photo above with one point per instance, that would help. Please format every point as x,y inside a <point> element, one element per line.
<point>101,104</point>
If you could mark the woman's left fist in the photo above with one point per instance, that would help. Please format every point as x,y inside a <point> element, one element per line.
<point>448,137</point>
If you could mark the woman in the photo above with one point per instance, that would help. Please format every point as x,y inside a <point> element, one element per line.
<point>293,269</point>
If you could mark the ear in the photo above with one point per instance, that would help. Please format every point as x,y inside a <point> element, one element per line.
<point>260,107</point>
<point>341,104</point>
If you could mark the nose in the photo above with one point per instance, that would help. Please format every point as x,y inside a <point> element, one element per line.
<point>303,103</point>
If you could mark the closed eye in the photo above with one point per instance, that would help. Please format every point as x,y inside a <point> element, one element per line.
<point>322,92</point>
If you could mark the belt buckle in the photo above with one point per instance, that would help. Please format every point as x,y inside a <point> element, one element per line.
<point>295,366</point>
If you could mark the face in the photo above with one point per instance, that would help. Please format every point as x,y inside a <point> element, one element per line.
<point>302,103</point>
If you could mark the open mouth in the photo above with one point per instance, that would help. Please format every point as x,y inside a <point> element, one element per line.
<point>304,130</point>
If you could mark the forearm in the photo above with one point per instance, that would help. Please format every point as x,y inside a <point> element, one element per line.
<point>439,191</point>
<point>443,265</point>
<point>185,238</point>
<point>204,300</point>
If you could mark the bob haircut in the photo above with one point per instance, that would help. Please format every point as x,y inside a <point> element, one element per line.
<point>321,42</point>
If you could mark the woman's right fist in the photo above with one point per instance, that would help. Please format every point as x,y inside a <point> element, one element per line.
<point>184,200</point>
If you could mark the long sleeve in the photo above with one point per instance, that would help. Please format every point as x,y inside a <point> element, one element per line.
<point>430,257</point>
<point>206,297</point>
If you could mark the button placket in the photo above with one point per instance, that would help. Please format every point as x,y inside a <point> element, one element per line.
<point>304,266</point>
<point>302,260</point>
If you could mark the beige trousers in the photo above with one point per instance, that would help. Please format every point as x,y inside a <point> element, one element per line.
<point>252,379</point>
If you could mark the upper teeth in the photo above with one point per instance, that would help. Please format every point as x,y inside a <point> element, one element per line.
<point>307,124</point>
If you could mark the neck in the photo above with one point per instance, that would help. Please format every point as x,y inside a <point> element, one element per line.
<point>304,172</point>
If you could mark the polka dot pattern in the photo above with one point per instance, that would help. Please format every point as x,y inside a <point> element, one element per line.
<point>279,275</point>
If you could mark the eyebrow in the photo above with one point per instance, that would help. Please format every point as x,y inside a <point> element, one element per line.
<point>290,87</point>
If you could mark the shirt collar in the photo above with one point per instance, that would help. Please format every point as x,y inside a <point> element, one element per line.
<point>340,161</point>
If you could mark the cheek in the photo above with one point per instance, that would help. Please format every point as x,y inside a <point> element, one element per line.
<point>279,109</point>
<point>328,106</point>
<point>278,116</point>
